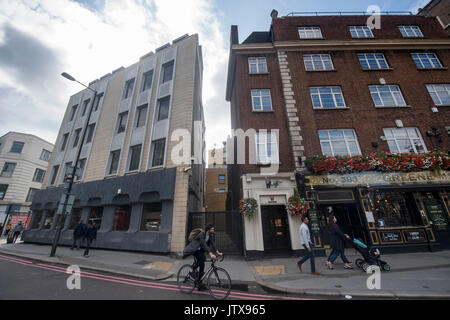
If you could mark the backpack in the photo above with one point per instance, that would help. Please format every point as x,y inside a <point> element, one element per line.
<point>194,233</point>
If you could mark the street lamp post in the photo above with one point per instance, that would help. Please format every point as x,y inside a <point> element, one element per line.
<point>68,184</point>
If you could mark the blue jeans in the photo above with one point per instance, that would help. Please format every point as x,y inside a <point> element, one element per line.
<point>335,253</point>
<point>309,255</point>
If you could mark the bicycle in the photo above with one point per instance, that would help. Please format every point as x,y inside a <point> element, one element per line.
<point>218,279</point>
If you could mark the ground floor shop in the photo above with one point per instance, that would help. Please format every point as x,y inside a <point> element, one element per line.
<point>134,212</point>
<point>396,211</point>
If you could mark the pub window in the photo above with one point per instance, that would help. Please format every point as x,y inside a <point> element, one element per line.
<point>49,219</point>
<point>75,217</point>
<point>151,216</point>
<point>37,219</point>
<point>395,209</point>
<point>404,140</point>
<point>122,216</point>
<point>95,216</point>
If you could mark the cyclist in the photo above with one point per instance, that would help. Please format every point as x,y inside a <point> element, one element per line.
<point>198,247</point>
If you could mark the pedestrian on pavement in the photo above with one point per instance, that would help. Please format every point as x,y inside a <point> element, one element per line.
<point>17,231</point>
<point>78,234</point>
<point>7,229</point>
<point>337,238</point>
<point>201,244</point>
<point>1,229</point>
<point>91,235</point>
<point>308,245</point>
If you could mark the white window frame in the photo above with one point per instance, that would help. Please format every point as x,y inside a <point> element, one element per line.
<point>346,140</point>
<point>334,94</point>
<point>310,33</point>
<point>434,93</point>
<point>375,89</point>
<point>361,32</point>
<point>415,30</point>
<point>259,63</point>
<point>261,141</point>
<point>260,94</point>
<point>390,136</point>
<point>418,57</point>
<point>373,56</point>
<point>311,60</point>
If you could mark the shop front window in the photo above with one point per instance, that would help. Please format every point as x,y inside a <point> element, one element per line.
<point>151,216</point>
<point>95,216</point>
<point>395,210</point>
<point>37,219</point>
<point>49,219</point>
<point>76,216</point>
<point>122,216</point>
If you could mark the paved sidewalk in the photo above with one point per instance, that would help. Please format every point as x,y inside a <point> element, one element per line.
<point>412,275</point>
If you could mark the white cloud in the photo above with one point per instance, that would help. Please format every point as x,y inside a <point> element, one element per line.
<point>89,43</point>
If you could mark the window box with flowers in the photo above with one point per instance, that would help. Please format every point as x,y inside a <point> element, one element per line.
<point>434,161</point>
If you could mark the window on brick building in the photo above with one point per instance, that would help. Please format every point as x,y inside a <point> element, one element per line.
<point>261,100</point>
<point>257,65</point>
<point>327,97</point>
<point>387,96</point>
<point>410,31</point>
<point>373,61</point>
<point>404,140</point>
<point>266,147</point>
<point>426,60</point>
<point>342,142</point>
<point>440,93</point>
<point>360,32</point>
<point>310,33</point>
<point>318,62</point>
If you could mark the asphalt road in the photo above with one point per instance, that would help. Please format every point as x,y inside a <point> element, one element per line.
<point>25,279</point>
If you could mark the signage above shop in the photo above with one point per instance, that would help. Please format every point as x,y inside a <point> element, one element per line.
<point>364,179</point>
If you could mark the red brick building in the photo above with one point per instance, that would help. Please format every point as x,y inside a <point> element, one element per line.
<point>333,86</point>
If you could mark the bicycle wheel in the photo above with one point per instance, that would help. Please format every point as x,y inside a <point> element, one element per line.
<point>219,284</point>
<point>185,279</point>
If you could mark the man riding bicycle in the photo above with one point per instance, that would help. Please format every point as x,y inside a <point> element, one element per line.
<point>201,244</point>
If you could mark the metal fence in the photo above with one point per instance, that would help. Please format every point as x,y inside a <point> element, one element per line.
<point>228,226</point>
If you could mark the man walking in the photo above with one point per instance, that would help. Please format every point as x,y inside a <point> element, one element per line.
<point>16,231</point>
<point>308,245</point>
<point>91,235</point>
<point>78,234</point>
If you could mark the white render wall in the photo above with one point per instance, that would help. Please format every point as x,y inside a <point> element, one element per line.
<point>26,164</point>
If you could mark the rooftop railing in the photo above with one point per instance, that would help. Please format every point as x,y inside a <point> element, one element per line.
<point>353,13</point>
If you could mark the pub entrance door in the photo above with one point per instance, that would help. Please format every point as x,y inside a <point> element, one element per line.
<point>438,216</point>
<point>275,229</point>
<point>348,219</point>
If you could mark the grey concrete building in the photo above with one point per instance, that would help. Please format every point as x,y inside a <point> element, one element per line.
<point>439,9</point>
<point>142,163</point>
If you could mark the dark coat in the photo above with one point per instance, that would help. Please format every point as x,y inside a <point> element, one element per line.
<point>91,233</point>
<point>80,230</point>
<point>337,237</point>
<point>199,242</point>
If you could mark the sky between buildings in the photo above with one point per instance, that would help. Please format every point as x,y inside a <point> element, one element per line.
<point>40,39</point>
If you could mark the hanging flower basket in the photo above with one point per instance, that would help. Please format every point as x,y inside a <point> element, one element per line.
<point>296,206</point>
<point>248,207</point>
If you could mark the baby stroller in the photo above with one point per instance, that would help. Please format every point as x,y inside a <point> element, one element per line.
<point>371,257</point>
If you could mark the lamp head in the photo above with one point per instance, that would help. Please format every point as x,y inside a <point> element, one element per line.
<point>68,76</point>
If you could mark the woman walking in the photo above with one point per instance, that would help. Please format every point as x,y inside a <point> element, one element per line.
<point>337,238</point>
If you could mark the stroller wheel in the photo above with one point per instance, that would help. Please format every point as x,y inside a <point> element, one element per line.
<point>386,267</point>
<point>365,266</point>
<point>359,263</point>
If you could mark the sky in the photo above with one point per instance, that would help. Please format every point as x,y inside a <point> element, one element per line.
<point>40,39</point>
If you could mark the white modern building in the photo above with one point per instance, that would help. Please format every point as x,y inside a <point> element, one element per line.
<point>23,163</point>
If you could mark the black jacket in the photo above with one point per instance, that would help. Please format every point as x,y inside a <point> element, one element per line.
<point>337,237</point>
<point>91,233</point>
<point>199,242</point>
<point>80,230</point>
